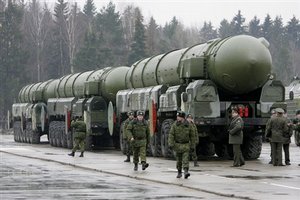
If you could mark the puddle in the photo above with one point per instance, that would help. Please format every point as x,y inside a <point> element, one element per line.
<point>258,177</point>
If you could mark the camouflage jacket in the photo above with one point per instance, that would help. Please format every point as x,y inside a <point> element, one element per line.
<point>235,130</point>
<point>287,135</point>
<point>139,130</point>
<point>79,127</point>
<point>195,133</point>
<point>296,123</point>
<point>181,136</point>
<point>125,133</point>
<point>277,128</point>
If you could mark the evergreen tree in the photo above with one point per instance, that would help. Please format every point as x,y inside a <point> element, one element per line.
<point>89,10</point>
<point>207,32</point>
<point>237,24</point>
<point>88,57</point>
<point>153,37</point>
<point>293,32</point>
<point>267,28</point>
<point>225,29</point>
<point>255,28</point>
<point>60,56</point>
<point>12,57</point>
<point>138,47</point>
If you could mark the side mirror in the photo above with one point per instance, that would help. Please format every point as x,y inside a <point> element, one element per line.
<point>184,97</point>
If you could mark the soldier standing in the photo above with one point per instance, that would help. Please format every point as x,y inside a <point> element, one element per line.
<point>128,149</point>
<point>235,131</point>
<point>190,119</point>
<point>79,135</point>
<point>296,127</point>
<point>182,139</point>
<point>273,114</point>
<point>277,128</point>
<point>287,140</point>
<point>139,134</point>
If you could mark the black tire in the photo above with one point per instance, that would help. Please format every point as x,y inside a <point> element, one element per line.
<point>205,147</point>
<point>223,150</point>
<point>36,137</point>
<point>89,143</point>
<point>17,126</point>
<point>155,145</point>
<point>70,140</point>
<point>29,133</point>
<point>165,129</point>
<point>251,148</point>
<point>51,130</point>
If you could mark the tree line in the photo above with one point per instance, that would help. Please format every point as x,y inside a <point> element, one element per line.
<point>37,44</point>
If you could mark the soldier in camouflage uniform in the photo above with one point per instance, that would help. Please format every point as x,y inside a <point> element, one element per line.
<point>189,118</point>
<point>128,150</point>
<point>139,134</point>
<point>273,114</point>
<point>287,140</point>
<point>79,136</point>
<point>182,140</point>
<point>235,131</point>
<point>278,126</point>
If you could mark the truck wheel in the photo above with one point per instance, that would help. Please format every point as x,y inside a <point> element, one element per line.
<point>17,126</point>
<point>251,148</point>
<point>165,129</point>
<point>155,145</point>
<point>69,140</point>
<point>223,150</point>
<point>35,137</point>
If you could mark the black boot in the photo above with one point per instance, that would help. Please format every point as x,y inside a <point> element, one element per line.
<point>81,155</point>
<point>196,163</point>
<point>179,174</point>
<point>144,165</point>
<point>135,167</point>
<point>186,173</point>
<point>127,159</point>
<point>72,154</point>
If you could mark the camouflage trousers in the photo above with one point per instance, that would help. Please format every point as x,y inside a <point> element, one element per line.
<point>79,143</point>
<point>276,153</point>
<point>139,152</point>
<point>128,147</point>
<point>194,154</point>
<point>182,159</point>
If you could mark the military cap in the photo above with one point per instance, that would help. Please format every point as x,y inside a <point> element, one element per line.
<point>234,108</point>
<point>279,110</point>
<point>189,116</point>
<point>297,112</point>
<point>181,114</point>
<point>140,112</point>
<point>130,113</point>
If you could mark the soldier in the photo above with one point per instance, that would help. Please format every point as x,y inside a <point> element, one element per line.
<point>276,129</point>
<point>128,149</point>
<point>79,135</point>
<point>139,134</point>
<point>296,126</point>
<point>273,114</point>
<point>190,119</point>
<point>235,131</point>
<point>287,140</point>
<point>182,140</point>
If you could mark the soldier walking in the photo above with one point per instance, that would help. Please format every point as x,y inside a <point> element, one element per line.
<point>287,140</point>
<point>182,140</point>
<point>79,135</point>
<point>235,131</point>
<point>273,114</point>
<point>277,128</point>
<point>139,134</point>
<point>127,141</point>
<point>190,119</point>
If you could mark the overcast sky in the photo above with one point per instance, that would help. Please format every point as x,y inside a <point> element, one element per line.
<point>195,12</point>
